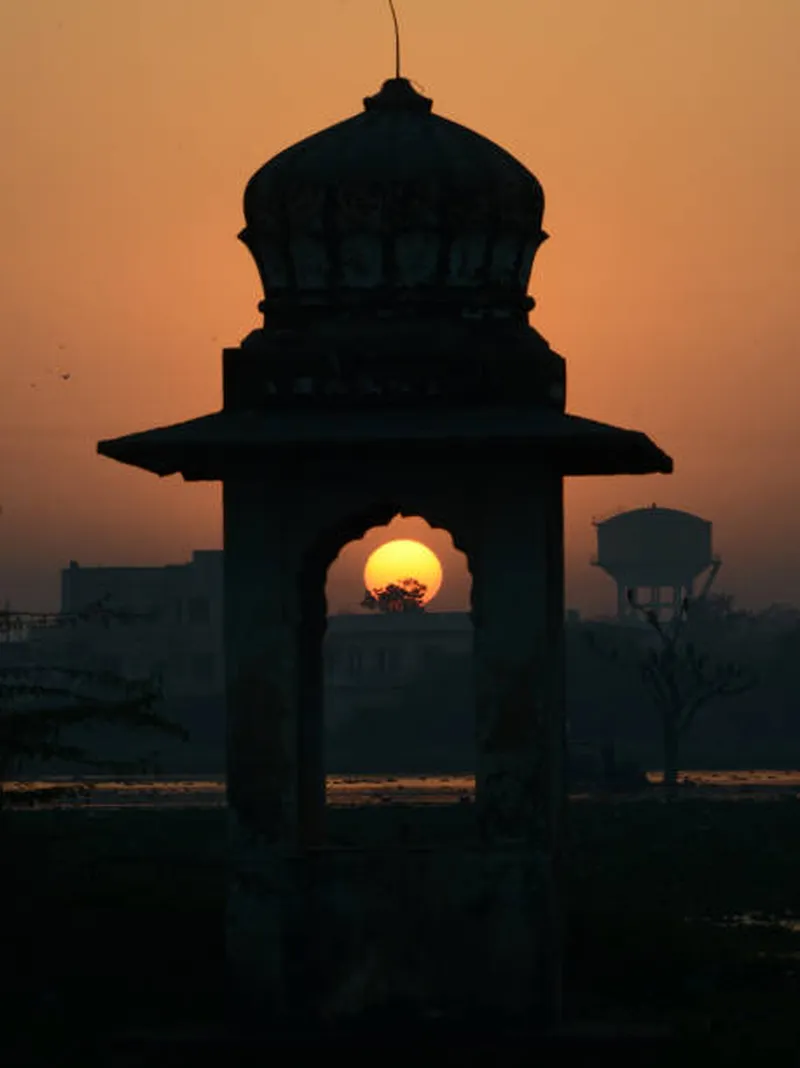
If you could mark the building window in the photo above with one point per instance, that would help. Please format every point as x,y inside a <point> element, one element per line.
<point>354,661</point>
<point>198,609</point>
<point>384,661</point>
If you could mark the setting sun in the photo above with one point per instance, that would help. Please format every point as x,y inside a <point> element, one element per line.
<point>401,559</point>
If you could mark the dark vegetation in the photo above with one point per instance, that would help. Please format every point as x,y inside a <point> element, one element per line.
<point>49,713</point>
<point>731,679</point>
<point>405,596</point>
<point>113,922</point>
<point>683,670</point>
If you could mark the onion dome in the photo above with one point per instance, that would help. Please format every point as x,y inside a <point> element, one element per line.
<point>394,209</point>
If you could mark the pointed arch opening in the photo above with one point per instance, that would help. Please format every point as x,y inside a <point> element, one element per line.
<point>398,693</point>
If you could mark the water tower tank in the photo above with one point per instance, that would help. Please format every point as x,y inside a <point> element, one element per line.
<point>658,553</point>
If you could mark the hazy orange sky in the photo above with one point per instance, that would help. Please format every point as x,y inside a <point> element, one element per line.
<point>667,138</point>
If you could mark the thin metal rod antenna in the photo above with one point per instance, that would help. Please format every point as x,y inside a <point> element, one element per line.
<point>396,40</point>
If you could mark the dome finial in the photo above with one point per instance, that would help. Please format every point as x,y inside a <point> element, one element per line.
<point>396,40</point>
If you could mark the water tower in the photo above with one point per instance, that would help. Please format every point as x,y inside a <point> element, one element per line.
<point>657,555</point>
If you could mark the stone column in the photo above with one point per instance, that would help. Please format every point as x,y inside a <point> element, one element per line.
<point>272,725</point>
<point>518,615</point>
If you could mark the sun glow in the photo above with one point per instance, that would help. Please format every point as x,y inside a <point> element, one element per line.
<point>395,561</point>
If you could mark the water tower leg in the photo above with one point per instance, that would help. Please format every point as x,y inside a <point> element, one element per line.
<point>622,600</point>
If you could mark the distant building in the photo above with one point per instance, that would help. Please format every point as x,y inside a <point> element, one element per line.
<point>147,620</point>
<point>370,661</point>
<point>168,621</point>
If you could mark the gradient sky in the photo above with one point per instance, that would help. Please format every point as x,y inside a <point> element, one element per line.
<point>667,138</point>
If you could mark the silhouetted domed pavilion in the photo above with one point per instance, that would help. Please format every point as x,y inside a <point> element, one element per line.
<point>395,372</point>
<point>399,205</point>
<point>395,250</point>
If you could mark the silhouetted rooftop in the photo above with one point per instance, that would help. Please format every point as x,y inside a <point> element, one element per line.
<point>201,448</point>
<point>395,199</point>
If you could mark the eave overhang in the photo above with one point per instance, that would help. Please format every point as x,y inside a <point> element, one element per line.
<point>211,446</point>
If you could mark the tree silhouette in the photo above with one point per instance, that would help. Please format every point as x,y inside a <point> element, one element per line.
<point>40,701</point>
<point>680,678</point>
<point>408,595</point>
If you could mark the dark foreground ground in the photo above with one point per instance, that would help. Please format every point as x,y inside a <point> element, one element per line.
<point>112,925</point>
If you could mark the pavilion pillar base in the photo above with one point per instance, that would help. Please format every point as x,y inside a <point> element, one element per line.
<point>332,936</point>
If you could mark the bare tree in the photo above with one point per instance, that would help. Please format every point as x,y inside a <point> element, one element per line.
<point>681,678</point>
<point>39,702</point>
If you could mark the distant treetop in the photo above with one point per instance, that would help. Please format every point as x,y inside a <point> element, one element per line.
<point>405,596</point>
